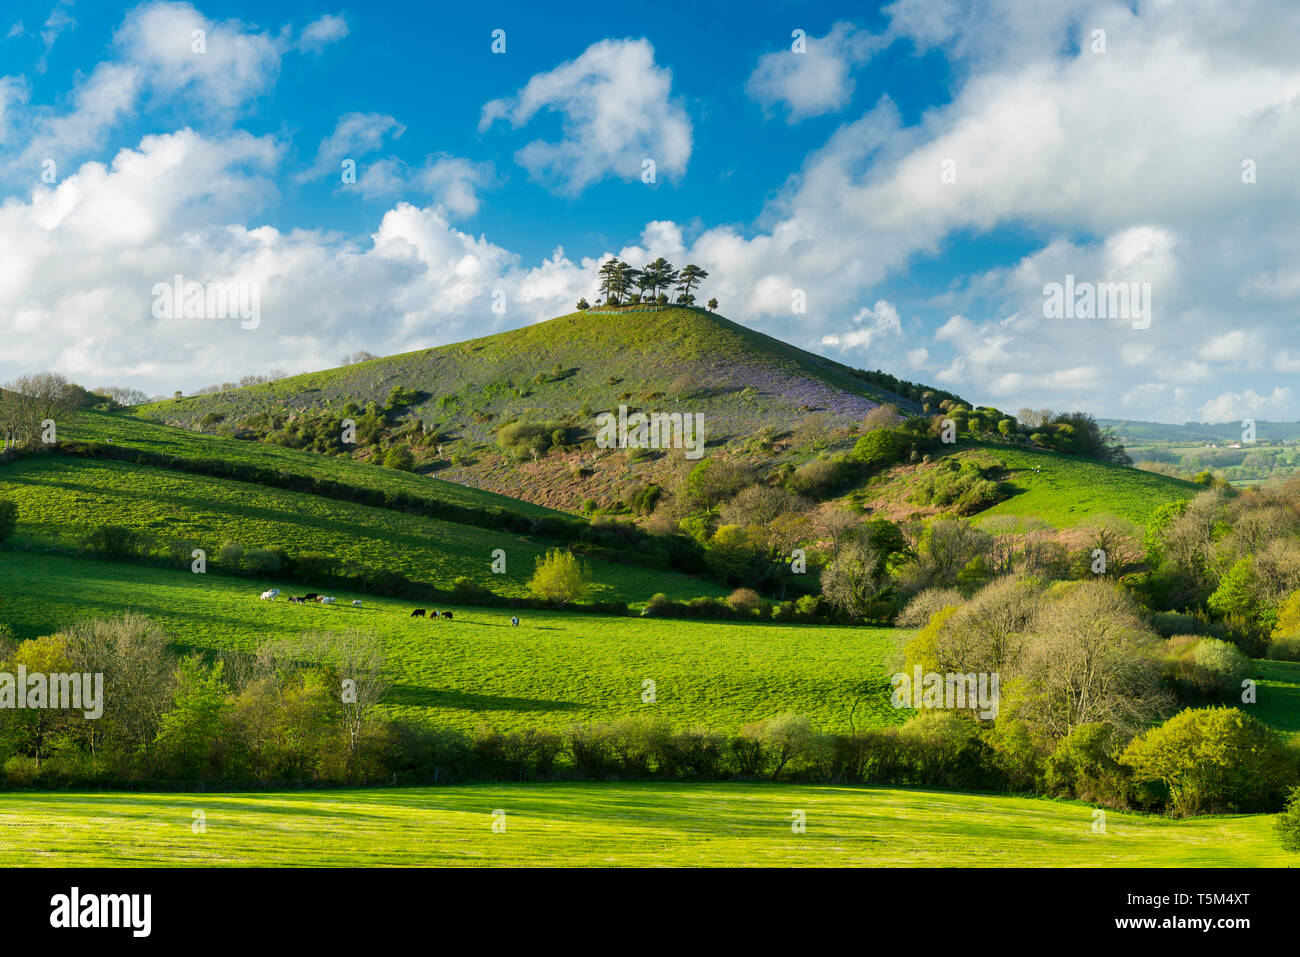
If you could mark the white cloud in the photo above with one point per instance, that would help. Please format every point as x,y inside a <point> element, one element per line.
<point>236,65</point>
<point>319,34</point>
<point>1235,406</point>
<point>956,328</point>
<point>58,21</point>
<point>154,52</point>
<point>355,135</point>
<point>954,372</point>
<point>1279,285</point>
<point>817,80</point>
<point>616,113</point>
<point>878,320</point>
<point>1136,354</point>
<point>1231,346</point>
<point>12,93</point>
<point>99,103</point>
<point>452,183</point>
<point>1286,361</point>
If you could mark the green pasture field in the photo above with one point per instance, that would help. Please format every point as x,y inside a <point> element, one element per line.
<point>646,824</point>
<point>62,498</point>
<point>1061,490</point>
<point>1066,490</point>
<point>556,669</point>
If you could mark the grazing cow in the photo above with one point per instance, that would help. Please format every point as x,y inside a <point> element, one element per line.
<point>312,596</point>
<point>418,613</point>
<point>326,599</point>
<point>447,615</point>
<point>514,621</point>
<point>356,603</point>
<point>296,599</point>
<point>271,595</point>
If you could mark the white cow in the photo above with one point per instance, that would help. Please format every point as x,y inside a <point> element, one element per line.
<point>356,603</point>
<point>325,600</point>
<point>271,594</point>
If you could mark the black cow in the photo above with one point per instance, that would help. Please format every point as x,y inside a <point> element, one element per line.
<point>447,615</point>
<point>296,599</point>
<point>418,613</point>
<point>514,621</point>
<point>312,597</point>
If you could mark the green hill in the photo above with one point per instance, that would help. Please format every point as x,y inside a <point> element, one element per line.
<point>562,373</point>
<point>603,359</point>
<point>764,403</point>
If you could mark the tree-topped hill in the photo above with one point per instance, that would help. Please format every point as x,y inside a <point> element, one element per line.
<point>516,412</point>
<point>574,366</point>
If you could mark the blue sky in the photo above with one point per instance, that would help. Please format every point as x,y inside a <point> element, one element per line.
<point>918,172</point>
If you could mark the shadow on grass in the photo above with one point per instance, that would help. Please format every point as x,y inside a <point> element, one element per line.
<point>417,696</point>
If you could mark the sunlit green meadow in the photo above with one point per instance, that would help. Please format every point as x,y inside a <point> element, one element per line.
<point>554,670</point>
<point>625,824</point>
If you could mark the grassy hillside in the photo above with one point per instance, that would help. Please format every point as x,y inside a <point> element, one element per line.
<point>643,352</point>
<point>552,671</point>
<point>61,499</point>
<point>1062,490</point>
<point>637,824</point>
<point>565,372</point>
<point>135,433</point>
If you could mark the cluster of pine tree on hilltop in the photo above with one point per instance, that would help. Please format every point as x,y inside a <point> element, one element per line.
<point>652,283</point>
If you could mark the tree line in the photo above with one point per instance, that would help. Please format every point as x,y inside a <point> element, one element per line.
<point>652,282</point>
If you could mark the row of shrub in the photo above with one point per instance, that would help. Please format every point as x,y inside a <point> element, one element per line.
<point>745,604</point>
<point>1202,761</point>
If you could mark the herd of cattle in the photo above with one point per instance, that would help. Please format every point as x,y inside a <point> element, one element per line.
<point>271,594</point>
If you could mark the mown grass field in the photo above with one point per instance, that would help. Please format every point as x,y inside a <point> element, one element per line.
<point>555,670</point>
<point>61,499</point>
<point>612,824</point>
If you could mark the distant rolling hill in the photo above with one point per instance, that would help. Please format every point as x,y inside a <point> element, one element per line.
<point>1133,432</point>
